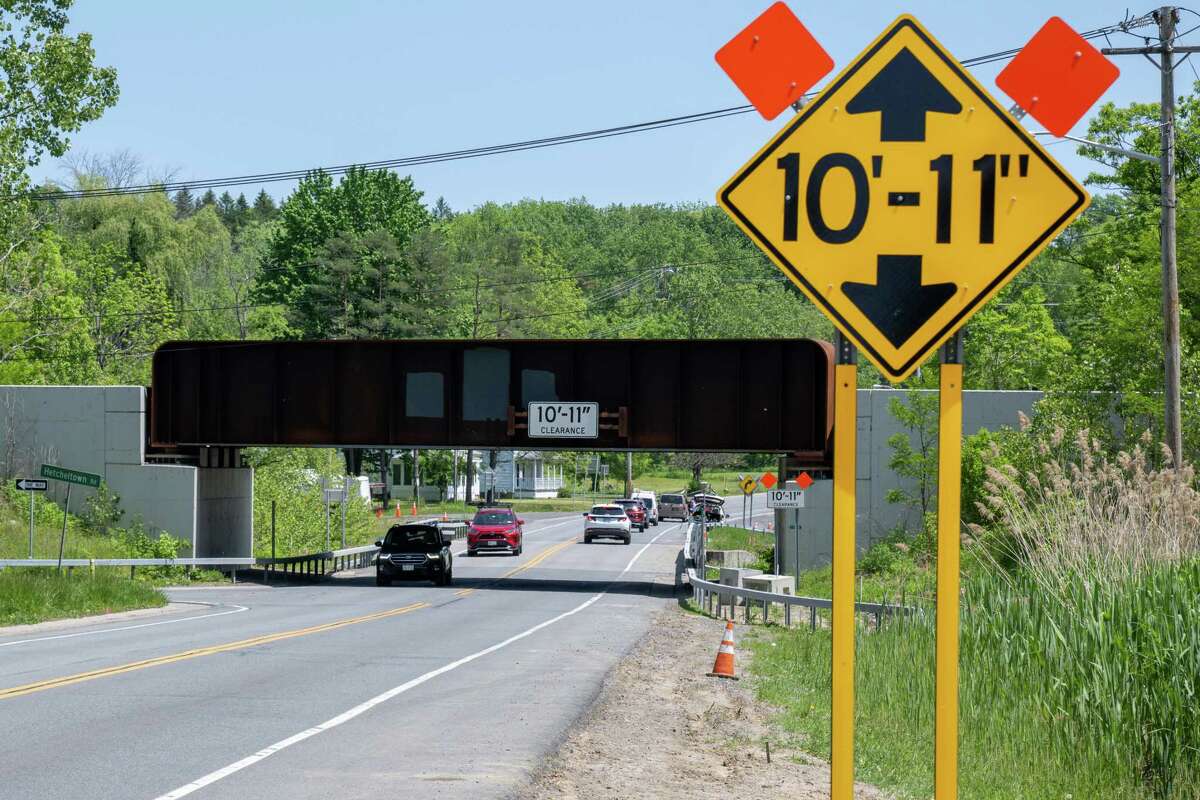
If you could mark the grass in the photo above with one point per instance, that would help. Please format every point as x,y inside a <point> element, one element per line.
<point>728,538</point>
<point>1083,696</point>
<point>901,585</point>
<point>29,596</point>
<point>14,537</point>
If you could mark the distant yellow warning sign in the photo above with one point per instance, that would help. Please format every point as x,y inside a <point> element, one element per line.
<point>748,485</point>
<point>902,199</point>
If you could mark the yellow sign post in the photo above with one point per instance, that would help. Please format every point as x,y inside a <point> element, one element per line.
<point>845,430</point>
<point>900,201</point>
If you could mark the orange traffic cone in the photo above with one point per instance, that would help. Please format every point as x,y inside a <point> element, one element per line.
<point>412,512</point>
<point>397,508</point>
<point>379,513</point>
<point>445,517</point>
<point>723,668</point>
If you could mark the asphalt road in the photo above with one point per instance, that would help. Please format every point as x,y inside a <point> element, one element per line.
<point>342,689</point>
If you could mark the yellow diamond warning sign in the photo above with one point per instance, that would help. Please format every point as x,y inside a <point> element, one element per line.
<point>902,199</point>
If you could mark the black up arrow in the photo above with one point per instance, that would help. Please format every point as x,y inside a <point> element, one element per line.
<point>905,92</point>
<point>897,304</point>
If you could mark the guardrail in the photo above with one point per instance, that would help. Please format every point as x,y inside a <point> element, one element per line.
<point>133,563</point>
<point>309,565</point>
<point>707,594</point>
<point>330,561</point>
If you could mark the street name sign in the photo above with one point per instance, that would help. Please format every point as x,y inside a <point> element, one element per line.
<point>902,199</point>
<point>785,498</point>
<point>31,485</point>
<point>564,420</point>
<point>70,475</point>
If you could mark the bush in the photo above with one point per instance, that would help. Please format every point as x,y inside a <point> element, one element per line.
<point>102,510</point>
<point>884,554</point>
<point>138,543</point>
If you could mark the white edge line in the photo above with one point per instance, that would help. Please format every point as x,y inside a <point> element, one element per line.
<point>236,609</point>
<point>362,708</point>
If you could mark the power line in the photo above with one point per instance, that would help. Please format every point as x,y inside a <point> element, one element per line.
<point>509,147</point>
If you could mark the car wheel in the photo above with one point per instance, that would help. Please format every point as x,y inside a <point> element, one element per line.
<point>519,550</point>
<point>471,553</point>
<point>628,540</point>
<point>382,581</point>
<point>449,577</point>
<point>587,540</point>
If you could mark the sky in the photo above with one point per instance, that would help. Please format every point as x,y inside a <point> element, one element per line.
<point>231,88</point>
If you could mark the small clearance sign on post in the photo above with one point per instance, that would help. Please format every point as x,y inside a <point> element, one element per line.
<point>785,498</point>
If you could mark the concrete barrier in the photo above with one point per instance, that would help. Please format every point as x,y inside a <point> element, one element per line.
<point>733,577</point>
<point>729,558</point>
<point>777,584</point>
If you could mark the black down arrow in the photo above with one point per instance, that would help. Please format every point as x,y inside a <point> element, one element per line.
<point>897,303</point>
<point>904,91</point>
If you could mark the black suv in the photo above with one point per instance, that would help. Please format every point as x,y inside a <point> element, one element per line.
<point>417,552</point>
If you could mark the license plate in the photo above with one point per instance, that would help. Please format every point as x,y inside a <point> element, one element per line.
<point>493,544</point>
<point>407,567</point>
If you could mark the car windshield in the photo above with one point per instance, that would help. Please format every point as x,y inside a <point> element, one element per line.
<point>647,502</point>
<point>494,518</point>
<point>421,538</point>
<point>607,511</point>
<point>672,498</point>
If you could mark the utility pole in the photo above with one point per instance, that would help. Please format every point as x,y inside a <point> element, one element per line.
<point>629,473</point>
<point>1167,17</point>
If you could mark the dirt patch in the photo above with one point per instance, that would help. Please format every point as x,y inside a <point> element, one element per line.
<point>662,729</point>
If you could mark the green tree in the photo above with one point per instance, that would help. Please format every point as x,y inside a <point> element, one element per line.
<point>184,204</point>
<point>49,87</point>
<point>1012,343</point>
<point>915,451</point>
<point>44,336</point>
<point>363,202</point>
<point>264,209</point>
<point>128,312</point>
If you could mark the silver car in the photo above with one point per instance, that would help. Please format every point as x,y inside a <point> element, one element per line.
<point>606,522</point>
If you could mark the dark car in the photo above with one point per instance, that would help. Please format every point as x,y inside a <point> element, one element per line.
<point>414,552</point>
<point>496,530</point>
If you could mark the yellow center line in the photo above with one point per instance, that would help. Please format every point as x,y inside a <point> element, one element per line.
<point>67,680</point>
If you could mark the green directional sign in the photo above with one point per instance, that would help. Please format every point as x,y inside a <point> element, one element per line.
<point>70,475</point>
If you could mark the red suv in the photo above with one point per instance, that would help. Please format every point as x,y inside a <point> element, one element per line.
<point>495,530</point>
<point>635,511</point>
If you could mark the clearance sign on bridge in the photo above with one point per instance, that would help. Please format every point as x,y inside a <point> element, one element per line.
<point>900,200</point>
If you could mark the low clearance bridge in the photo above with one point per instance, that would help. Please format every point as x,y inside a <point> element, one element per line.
<point>662,395</point>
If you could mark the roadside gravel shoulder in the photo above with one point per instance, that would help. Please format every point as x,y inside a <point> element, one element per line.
<point>661,728</point>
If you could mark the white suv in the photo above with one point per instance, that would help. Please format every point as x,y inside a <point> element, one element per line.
<point>607,522</point>
<point>649,502</point>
